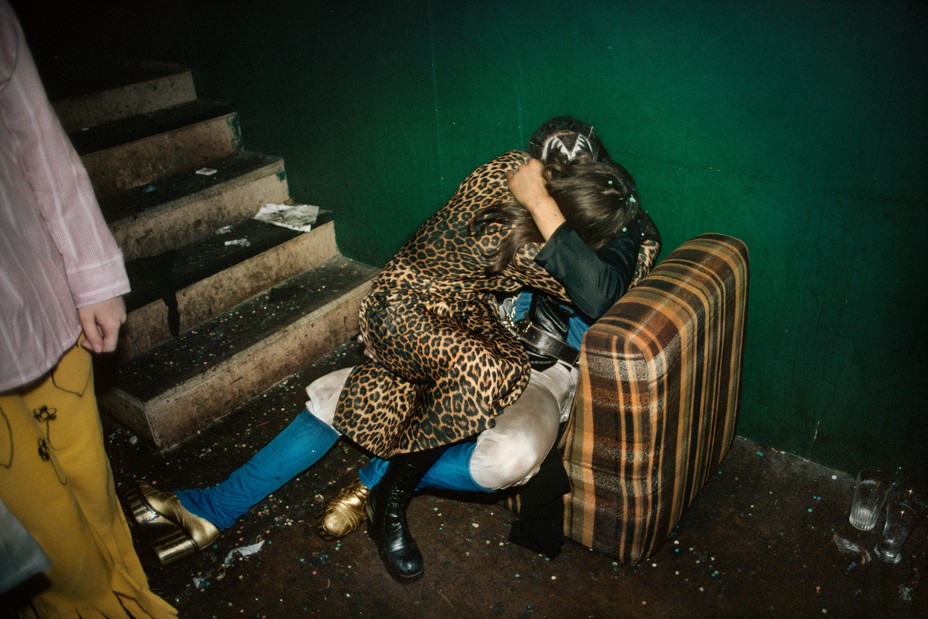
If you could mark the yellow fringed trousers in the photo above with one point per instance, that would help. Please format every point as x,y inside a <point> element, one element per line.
<point>56,479</point>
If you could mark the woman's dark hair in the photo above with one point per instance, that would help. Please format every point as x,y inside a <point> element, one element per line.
<point>596,198</point>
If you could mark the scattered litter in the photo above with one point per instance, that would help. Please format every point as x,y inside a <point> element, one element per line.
<point>850,548</point>
<point>149,189</point>
<point>243,551</point>
<point>299,217</point>
<point>224,230</point>
<point>206,171</point>
<point>239,242</point>
<point>201,583</point>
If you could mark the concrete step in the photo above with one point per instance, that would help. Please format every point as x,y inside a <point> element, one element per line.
<point>178,209</point>
<point>87,92</point>
<point>136,151</point>
<point>222,306</point>
<point>176,290</point>
<point>174,390</point>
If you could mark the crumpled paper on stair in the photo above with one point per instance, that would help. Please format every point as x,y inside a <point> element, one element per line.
<point>294,216</point>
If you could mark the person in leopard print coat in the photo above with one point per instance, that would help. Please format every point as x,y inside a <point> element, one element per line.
<point>481,242</point>
<point>443,365</point>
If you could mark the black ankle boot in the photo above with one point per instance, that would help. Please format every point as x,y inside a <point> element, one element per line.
<point>386,511</point>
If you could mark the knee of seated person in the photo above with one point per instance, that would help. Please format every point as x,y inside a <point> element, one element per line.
<point>496,465</point>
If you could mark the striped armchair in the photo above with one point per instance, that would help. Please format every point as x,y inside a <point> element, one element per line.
<point>657,399</point>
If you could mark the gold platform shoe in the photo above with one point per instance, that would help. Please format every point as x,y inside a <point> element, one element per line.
<point>344,513</point>
<point>190,533</point>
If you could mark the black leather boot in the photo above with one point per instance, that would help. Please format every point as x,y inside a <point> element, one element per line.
<point>386,512</point>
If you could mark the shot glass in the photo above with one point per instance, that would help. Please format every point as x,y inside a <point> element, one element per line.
<point>903,510</point>
<point>870,494</point>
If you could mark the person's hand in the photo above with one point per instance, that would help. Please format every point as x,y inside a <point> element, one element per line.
<point>101,323</point>
<point>527,185</point>
<point>367,350</point>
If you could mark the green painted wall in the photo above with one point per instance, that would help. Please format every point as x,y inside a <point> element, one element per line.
<point>797,126</point>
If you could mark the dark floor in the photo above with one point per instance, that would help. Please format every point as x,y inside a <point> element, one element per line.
<point>767,537</point>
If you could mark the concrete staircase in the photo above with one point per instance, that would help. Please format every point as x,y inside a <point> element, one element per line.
<point>223,306</point>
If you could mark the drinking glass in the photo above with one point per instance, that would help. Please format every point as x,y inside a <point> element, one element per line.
<point>870,494</point>
<point>902,512</point>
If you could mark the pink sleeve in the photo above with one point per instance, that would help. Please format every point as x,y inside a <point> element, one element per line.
<point>93,262</point>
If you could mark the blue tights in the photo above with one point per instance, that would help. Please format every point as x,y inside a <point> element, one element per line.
<point>299,446</point>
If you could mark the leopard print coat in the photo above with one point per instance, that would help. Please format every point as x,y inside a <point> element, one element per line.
<point>446,365</point>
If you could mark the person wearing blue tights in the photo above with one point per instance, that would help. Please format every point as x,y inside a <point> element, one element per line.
<point>506,455</point>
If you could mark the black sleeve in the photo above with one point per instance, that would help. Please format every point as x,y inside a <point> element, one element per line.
<point>593,280</point>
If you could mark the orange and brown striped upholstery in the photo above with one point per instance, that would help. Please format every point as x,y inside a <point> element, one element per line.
<point>657,399</point>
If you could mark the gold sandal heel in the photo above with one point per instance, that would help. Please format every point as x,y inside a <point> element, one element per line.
<point>191,532</point>
<point>174,546</point>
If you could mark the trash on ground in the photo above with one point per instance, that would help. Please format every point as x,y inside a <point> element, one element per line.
<point>243,551</point>
<point>848,547</point>
<point>299,217</point>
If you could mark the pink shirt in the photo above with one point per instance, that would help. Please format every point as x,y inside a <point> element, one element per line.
<point>56,252</point>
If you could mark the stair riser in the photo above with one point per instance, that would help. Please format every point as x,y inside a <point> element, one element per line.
<point>137,163</point>
<point>185,220</point>
<point>192,406</point>
<point>145,327</point>
<point>148,325</point>
<point>118,103</point>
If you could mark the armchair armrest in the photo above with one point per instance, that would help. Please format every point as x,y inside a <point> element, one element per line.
<point>657,400</point>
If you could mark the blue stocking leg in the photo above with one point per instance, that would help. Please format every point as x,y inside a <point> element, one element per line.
<point>450,472</point>
<point>299,446</point>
